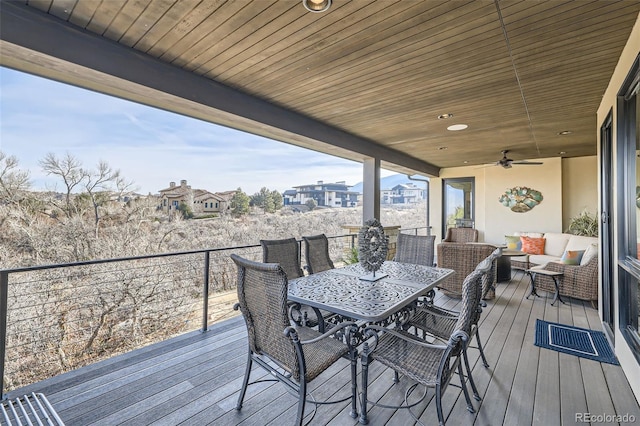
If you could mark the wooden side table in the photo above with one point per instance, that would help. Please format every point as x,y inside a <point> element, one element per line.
<point>553,274</point>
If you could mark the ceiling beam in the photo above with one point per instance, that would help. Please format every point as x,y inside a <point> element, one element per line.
<point>38,43</point>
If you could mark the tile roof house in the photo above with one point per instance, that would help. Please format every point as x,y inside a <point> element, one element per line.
<point>200,200</point>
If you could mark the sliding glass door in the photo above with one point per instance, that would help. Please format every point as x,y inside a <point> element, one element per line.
<point>628,233</point>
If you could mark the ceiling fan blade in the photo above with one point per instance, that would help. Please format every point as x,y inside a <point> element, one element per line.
<point>527,163</point>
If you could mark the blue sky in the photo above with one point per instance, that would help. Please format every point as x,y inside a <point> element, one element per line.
<point>150,147</point>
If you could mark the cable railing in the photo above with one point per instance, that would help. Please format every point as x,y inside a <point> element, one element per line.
<point>59,317</point>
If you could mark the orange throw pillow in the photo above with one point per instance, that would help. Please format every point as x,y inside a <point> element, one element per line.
<point>532,245</point>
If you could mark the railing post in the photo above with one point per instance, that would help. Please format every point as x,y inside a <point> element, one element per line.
<point>205,294</point>
<point>4,291</point>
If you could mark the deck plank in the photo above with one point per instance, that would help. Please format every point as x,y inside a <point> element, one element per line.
<point>195,379</point>
<point>520,407</point>
<point>572,395</point>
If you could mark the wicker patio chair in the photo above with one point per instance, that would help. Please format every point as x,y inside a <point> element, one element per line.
<point>316,252</point>
<point>463,258</point>
<point>461,235</point>
<point>417,249</point>
<point>577,281</point>
<point>428,364</point>
<point>294,355</point>
<point>438,322</point>
<point>286,252</point>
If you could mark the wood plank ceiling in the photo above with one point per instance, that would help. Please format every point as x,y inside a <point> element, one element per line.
<point>516,72</point>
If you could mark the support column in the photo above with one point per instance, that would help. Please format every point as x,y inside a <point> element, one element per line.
<point>371,189</point>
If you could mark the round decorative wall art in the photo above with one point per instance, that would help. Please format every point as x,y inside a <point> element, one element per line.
<point>521,199</point>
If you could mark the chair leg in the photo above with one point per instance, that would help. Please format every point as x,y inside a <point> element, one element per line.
<point>245,383</point>
<point>476,395</point>
<point>365,382</point>
<point>301,397</point>
<point>439,404</point>
<point>354,384</point>
<point>484,359</point>
<point>463,383</point>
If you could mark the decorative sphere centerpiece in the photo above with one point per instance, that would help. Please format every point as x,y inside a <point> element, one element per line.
<point>373,245</point>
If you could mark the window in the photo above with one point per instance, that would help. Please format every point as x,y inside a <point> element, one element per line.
<point>458,200</point>
<point>628,236</point>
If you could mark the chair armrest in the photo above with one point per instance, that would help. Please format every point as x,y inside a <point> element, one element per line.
<point>439,312</point>
<point>291,333</point>
<point>372,331</point>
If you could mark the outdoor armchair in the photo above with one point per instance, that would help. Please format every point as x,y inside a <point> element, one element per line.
<point>438,322</point>
<point>316,251</point>
<point>286,252</point>
<point>432,365</point>
<point>416,249</point>
<point>295,355</point>
<point>461,235</point>
<point>463,258</point>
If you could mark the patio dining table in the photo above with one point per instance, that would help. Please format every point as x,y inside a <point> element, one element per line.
<point>351,292</point>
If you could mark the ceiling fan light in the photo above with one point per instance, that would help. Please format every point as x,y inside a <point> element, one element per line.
<point>316,6</point>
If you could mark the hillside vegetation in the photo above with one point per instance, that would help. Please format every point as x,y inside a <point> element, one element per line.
<point>59,319</point>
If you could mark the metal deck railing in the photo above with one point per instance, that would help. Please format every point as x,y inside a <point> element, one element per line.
<point>59,317</point>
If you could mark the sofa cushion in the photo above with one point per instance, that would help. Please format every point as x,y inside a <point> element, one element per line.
<point>591,251</point>
<point>579,242</point>
<point>513,242</point>
<point>572,257</point>
<point>541,259</point>
<point>556,243</point>
<point>529,234</point>
<point>533,245</point>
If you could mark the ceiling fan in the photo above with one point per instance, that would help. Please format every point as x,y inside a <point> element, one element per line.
<point>508,162</point>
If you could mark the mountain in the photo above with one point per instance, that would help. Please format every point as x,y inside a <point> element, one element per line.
<point>389,182</point>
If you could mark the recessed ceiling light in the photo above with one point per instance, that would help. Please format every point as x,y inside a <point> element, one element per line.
<point>564,133</point>
<point>562,152</point>
<point>442,148</point>
<point>465,162</point>
<point>445,116</point>
<point>456,127</point>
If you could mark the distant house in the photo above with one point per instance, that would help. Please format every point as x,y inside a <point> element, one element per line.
<point>206,202</point>
<point>200,200</point>
<point>407,193</point>
<point>325,194</point>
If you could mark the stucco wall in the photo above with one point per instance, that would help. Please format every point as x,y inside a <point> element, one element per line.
<point>492,219</point>
<point>579,187</point>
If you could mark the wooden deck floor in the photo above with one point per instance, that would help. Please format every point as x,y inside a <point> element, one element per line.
<point>194,379</point>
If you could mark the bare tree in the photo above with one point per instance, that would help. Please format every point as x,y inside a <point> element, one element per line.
<point>13,181</point>
<point>69,169</point>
